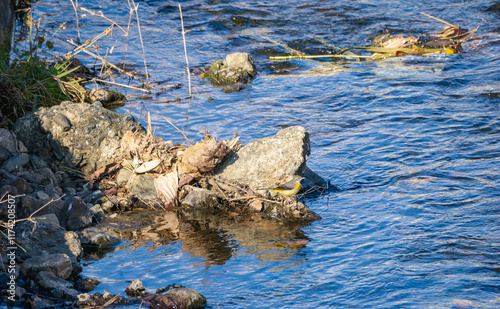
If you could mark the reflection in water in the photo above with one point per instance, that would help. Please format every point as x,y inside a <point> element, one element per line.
<point>215,238</point>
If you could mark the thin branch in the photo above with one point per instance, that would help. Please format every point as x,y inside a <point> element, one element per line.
<point>75,7</point>
<point>118,84</point>
<point>140,37</point>
<point>440,20</point>
<point>85,50</point>
<point>182,132</point>
<point>185,51</point>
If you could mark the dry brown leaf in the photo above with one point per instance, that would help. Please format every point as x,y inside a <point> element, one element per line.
<point>202,157</point>
<point>147,166</point>
<point>166,188</point>
<point>103,171</point>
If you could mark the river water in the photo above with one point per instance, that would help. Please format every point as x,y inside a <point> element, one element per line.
<point>412,143</point>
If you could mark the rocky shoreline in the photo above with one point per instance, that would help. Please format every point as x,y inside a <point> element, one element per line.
<point>52,216</point>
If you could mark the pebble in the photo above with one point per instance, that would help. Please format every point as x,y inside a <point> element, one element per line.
<point>42,195</point>
<point>62,121</point>
<point>17,162</point>
<point>33,177</point>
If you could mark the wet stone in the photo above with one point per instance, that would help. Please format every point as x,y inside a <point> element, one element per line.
<point>86,285</point>
<point>186,297</point>
<point>135,289</point>
<point>95,237</point>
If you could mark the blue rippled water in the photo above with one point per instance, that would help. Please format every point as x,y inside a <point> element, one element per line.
<point>411,142</point>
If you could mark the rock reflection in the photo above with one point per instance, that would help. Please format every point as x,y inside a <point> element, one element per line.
<point>213,237</point>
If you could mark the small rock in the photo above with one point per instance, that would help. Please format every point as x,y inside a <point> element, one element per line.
<point>5,154</point>
<point>33,177</point>
<point>84,297</point>
<point>123,176</point>
<point>107,206</point>
<point>135,289</point>
<point>198,197</point>
<point>48,280</point>
<point>86,285</point>
<point>241,61</point>
<point>48,219</point>
<point>30,205</point>
<point>42,195</point>
<point>53,191</point>
<point>143,186</point>
<point>43,239</point>
<point>69,191</point>
<point>21,186</point>
<point>95,237</point>
<point>96,210</point>
<point>236,68</point>
<point>264,162</point>
<point>62,122</point>
<point>57,264</point>
<point>93,197</point>
<point>186,297</point>
<point>75,214</point>
<point>8,140</point>
<point>16,163</point>
<point>47,172</point>
<point>38,162</point>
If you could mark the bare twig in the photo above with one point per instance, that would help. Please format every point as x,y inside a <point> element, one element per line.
<point>85,50</point>
<point>440,20</point>
<point>185,51</point>
<point>182,132</point>
<point>118,84</point>
<point>75,7</point>
<point>128,29</point>
<point>140,37</point>
<point>100,14</point>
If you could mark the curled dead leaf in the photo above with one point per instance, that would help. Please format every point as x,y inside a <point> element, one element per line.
<point>202,157</point>
<point>166,188</point>
<point>147,166</point>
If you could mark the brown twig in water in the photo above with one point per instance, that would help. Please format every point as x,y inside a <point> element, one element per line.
<point>185,51</point>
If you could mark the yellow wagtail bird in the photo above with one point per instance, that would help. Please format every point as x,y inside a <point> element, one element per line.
<point>289,188</point>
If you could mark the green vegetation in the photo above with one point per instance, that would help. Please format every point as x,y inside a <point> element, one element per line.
<point>28,81</point>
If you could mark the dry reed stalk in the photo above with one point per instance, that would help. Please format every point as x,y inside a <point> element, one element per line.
<point>185,51</point>
<point>182,132</point>
<point>75,7</point>
<point>140,38</point>
<point>117,84</point>
<point>128,29</point>
<point>104,61</point>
